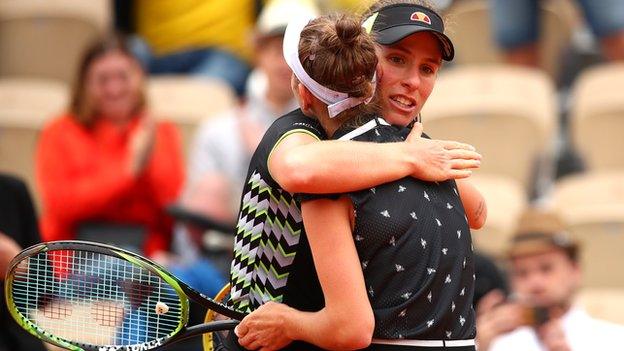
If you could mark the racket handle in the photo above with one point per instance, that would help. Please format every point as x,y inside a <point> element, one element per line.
<point>209,327</point>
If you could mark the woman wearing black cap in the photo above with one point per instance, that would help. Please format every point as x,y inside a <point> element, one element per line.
<point>412,237</point>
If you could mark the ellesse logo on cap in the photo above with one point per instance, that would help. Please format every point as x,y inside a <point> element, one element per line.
<point>420,17</point>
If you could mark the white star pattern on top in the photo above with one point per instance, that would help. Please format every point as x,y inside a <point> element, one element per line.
<point>464,263</point>
<point>441,264</point>
<point>381,218</point>
<point>359,238</point>
<point>462,320</point>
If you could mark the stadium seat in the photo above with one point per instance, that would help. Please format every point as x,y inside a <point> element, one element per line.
<point>605,304</point>
<point>45,38</point>
<point>592,206</point>
<point>505,202</point>
<point>25,105</point>
<point>597,118</point>
<point>470,29</point>
<point>507,112</point>
<point>187,101</point>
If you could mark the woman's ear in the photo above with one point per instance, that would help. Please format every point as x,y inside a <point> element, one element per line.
<point>307,99</point>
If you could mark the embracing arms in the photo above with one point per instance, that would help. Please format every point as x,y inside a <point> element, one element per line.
<point>301,164</point>
<point>346,322</point>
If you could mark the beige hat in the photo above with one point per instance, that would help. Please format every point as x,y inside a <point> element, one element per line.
<point>540,231</point>
<point>277,13</point>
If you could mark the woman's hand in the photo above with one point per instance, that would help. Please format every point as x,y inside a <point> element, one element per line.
<point>440,160</point>
<point>141,144</point>
<point>266,328</point>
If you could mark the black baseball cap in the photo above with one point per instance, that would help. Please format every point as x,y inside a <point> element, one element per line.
<point>393,23</point>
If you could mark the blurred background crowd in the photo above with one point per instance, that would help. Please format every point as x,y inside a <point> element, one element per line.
<point>142,138</point>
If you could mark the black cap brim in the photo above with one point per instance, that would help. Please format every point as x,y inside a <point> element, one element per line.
<point>393,23</point>
<point>395,34</point>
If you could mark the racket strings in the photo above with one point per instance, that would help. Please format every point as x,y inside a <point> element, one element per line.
<point>94,299</point>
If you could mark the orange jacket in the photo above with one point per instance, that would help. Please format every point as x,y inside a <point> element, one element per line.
<point>82,175</point>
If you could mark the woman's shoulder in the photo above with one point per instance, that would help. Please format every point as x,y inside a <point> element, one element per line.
<point>296,120</point>
<point>169,129</point>
<point>166,125</point>
<point>62,123</point>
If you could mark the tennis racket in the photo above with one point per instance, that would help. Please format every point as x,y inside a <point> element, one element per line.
<point>88,296</point>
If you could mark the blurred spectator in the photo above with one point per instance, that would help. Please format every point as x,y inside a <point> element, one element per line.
<point>540,315</point>
<point>203,38</point>
<point>107,166</point>
<point>18,229</point>
<point>516,28</point>
<point>224,144</point>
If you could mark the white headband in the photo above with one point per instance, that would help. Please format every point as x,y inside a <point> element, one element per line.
<point>336,101</point>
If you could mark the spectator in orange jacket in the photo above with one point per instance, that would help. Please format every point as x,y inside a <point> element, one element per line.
<point>107,160</point>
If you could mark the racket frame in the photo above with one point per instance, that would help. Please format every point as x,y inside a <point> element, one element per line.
<point>184,292</point>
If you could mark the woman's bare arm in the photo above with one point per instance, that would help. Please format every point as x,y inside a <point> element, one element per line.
<point>474,203</point>
<point>347,321</point>
<point>302,164</point>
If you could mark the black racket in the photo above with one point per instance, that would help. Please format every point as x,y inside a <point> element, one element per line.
<point>88,296</point>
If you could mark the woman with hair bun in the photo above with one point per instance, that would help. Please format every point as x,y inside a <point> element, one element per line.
<point>333,83</point>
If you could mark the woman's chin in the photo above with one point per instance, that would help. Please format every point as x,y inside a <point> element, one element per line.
<point>117,114</point>
<point>398,119</point>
